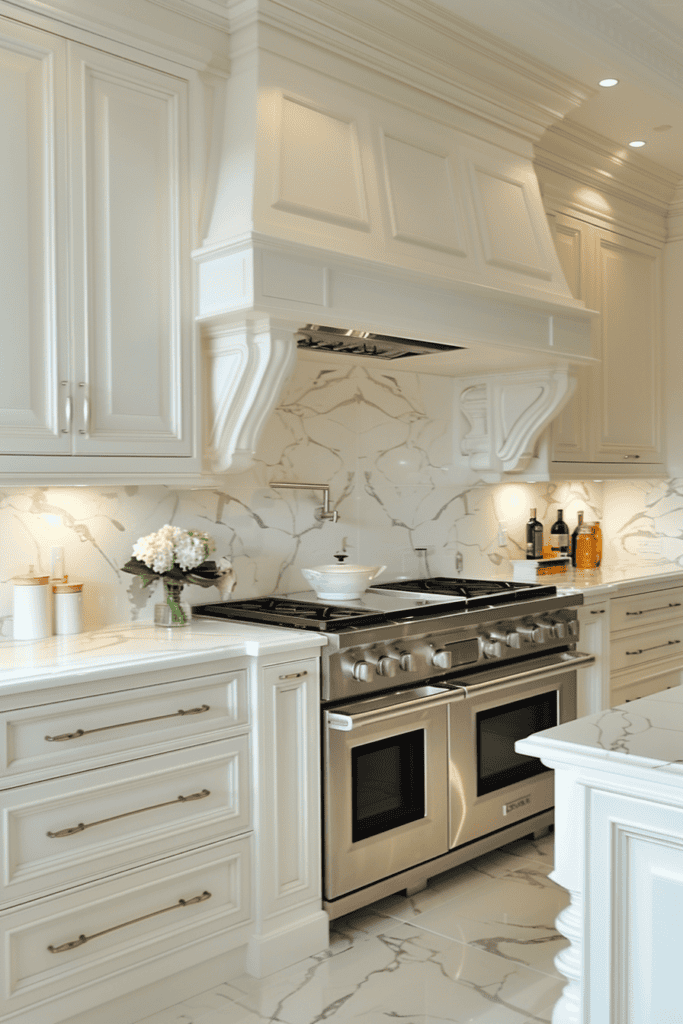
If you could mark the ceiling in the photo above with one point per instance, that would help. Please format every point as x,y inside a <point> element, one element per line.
<point>640,42</point>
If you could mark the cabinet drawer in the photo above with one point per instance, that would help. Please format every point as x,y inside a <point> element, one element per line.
<point>636,612</point>
<point>70,830</point>
<point>642,688</point>
<point>647,648</point>
<point>75,734</point>
<point>137,917</point>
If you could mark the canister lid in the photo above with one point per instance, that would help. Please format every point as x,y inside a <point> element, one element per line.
<point>67,588</point>
<point>30,581</point>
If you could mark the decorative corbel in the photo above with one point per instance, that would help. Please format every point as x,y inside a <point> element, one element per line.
<point>507,413</point>
<point>246,365</point>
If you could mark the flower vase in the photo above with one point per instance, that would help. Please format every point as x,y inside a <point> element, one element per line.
<point>173,612</point>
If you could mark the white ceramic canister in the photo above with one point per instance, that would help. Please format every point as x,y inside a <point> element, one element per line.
<point>32,607</point>
<point>68,602</point>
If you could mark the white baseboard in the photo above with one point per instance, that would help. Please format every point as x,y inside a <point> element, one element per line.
<point>270,952</point>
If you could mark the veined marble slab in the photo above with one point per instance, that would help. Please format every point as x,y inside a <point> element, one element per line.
<point>133,647</point>
<point>638,738</point>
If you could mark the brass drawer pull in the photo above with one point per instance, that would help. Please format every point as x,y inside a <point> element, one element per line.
<point>126,814</point>
<point>120,725</point>
<point>669,643</point>
<point>82,939</point>
<point>295,675</point>
<point>660,608</point>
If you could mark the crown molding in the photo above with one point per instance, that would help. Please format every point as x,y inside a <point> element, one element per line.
<point>589,159</point>
<point>416,43</point>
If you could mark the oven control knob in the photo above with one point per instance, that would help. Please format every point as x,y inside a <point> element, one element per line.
<point>362,670</point>
<point>387,666</point>
<point>406,662</point>
<point>492,649</point>
<point>534,634</point>
<point>442,659</point>
<point>559,630</point>
<point>573,625</point>
<point>509,639</point>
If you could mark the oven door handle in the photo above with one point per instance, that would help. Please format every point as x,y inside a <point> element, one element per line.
<point>392,709</point>
<point>568,661</point>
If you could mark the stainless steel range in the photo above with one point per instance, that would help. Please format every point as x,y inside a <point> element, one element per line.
<point>426,686</point>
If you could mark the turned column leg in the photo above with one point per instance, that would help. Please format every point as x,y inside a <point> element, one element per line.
<point>569,1008</point>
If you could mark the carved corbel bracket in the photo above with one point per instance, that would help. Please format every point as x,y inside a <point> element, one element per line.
<point>246,366</point>
<point>507,413</point>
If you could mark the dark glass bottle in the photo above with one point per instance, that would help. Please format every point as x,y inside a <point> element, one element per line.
<point>559,536</point>
<point>574,536</point>
<point>534,537</point>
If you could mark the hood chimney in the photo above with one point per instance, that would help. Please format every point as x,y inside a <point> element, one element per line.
<point>374,177</point>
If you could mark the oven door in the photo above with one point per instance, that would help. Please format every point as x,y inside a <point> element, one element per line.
<point>385,761</point>
<point>491,786</point>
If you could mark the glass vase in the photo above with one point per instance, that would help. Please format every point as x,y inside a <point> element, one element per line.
<point>173,612</point>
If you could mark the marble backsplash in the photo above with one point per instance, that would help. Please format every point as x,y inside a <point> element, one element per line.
<point>382,441</point>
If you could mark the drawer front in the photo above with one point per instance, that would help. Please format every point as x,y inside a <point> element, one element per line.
<point>67,831</point>
<point>127,920</point>
<point>642,688</point>
<point>71,735</point>
<point>640,649</point>
<point>637,612</point>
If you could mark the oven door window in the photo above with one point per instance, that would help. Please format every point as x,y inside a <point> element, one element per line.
<point>498,763</point>
<point>388,784</point>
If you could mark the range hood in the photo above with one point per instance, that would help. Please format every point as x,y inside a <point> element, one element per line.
<point>373,179</point>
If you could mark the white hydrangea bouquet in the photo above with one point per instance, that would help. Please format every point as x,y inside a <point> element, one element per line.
<point>178,557</point>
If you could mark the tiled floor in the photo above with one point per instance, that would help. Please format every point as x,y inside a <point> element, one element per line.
<point>475,947</point>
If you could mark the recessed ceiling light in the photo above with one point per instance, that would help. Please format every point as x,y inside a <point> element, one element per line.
<point>607,83</point>
<point>637,144</point>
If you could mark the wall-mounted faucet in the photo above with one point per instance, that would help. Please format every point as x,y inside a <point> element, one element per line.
<point>324,511</point>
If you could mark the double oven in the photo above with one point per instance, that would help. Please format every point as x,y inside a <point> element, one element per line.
<point>426,687</point>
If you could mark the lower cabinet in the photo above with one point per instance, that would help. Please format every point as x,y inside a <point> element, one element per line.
<point>141,841</point>
<point>646,643</point>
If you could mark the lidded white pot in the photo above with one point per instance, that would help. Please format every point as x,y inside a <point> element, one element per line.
<point>341,582</point>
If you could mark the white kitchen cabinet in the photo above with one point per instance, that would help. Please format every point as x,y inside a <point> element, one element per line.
<point>646,644</point>
<point>614,419</point>
<point>593,683</point>
<point>96,337</point>
<point>149,829</point>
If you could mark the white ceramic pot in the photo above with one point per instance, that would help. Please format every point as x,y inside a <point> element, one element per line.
<point>341,582</point>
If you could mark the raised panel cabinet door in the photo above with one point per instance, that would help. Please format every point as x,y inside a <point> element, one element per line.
<point>627,383</point>
<point>34,403</point>
<point>571,433</point>
<point>130,227</point>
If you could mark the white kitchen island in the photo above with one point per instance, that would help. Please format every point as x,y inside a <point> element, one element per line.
<point>160,801</point>
<point>619,852</point>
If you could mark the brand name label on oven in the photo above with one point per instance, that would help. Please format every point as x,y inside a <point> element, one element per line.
<point>514,805</point>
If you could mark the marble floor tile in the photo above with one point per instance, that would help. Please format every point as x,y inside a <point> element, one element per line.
<point>475,947</point>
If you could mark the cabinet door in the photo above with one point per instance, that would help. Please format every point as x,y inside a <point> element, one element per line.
<point>33,314</point>
<point>571,433</point>
<point>627,383</point>
<point>133,378</point>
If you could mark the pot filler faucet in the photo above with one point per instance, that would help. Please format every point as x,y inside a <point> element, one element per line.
<point>324,511</point>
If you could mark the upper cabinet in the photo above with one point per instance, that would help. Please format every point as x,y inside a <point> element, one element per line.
<point>96,336</point>
<point>608,218</point>
<point>614,417</point>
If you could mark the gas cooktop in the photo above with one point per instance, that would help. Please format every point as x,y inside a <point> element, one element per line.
<point>386,602</point>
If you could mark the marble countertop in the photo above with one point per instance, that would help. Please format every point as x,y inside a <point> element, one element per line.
<point>135,647</point>
<point>637,738</point>
<point>609,580</point>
